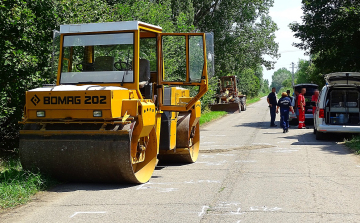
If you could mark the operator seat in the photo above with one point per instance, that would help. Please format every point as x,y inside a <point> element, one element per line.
<point>144,72</point>
<point>144,78</point>
<point>104,63</point>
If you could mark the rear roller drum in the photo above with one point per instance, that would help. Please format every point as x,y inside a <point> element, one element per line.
<point>191,154</point>
<point>187,142</point>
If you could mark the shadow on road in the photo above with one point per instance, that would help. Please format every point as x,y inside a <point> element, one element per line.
<point>258,125</point>
<point>266,125</point>
<point>330,144</point>
<point>69,187</point>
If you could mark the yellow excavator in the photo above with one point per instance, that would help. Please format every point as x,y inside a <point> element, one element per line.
<point>121,102</point>
<point>229,99</point>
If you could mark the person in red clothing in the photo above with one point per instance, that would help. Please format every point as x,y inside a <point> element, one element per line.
<point>315,98</point>
<point>301,107</point>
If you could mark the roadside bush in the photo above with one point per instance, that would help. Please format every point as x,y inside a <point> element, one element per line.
<point>25,43</point>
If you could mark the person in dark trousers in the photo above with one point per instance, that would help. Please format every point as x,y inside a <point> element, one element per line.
<point>271,99</point>
<point>291,104</point>
<point>288,94</point>
<point>284,104</point>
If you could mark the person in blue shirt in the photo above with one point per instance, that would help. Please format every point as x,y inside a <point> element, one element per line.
<point>284,104</point>
<point>271,99</point>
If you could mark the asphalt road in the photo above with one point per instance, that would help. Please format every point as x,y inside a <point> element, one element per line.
<point>246,172</point>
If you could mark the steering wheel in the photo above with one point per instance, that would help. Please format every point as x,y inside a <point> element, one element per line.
<point>85,66</point>
<point>122,66</point>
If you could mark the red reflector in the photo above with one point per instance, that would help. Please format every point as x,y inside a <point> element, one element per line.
<point>321,113</point>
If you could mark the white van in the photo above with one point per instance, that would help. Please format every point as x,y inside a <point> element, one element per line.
<point>337,110</point>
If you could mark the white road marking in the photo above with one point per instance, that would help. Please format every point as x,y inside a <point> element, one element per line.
<point>286,151</point>
<point>264,208</point>
<point>284,142</point>
<point>201,181</point>
<point>165,190</point>
<point>229,204</point>
<point>237,212</point>
<point>87,212</point>
<point>214,163</point>
<point>208,156</point>
<point>219,154</point>
<point>261,144</point>
<point>245,161</point>
<point>203,211</point>
<point>144,186</point>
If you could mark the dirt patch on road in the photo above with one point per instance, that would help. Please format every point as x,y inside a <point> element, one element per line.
<point>251,147</point>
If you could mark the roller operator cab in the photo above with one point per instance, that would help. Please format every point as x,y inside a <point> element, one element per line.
<point>337,109</point>
<point>121,101</point>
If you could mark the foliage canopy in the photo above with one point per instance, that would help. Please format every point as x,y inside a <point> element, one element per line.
<point>244,33</point>
<point>330,30</point>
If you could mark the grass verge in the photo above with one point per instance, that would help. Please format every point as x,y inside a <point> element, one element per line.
<point>255,99</point>
<point>17,185</point>
<point>252,100</point>
<point>211,115</point>
<point>208,116</point>
<point>354,144</point>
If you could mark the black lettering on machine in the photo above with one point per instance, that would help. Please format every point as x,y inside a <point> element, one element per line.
<point>60,100</point>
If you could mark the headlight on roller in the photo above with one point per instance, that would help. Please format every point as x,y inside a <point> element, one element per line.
<point>40,113</point>
<point>97,113</point>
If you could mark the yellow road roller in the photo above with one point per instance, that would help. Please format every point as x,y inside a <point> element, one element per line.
<point>126,95</point>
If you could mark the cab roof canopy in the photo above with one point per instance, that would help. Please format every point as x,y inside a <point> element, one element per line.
<point>106,27</point>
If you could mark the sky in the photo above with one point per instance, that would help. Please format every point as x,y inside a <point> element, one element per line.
<point>283,13</point>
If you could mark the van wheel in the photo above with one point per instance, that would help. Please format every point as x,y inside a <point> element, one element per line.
<point>319,135</point>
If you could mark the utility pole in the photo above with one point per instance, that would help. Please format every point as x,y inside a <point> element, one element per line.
<point>293,67</point>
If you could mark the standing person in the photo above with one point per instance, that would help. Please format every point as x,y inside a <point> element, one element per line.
<point>293,103</point>
<point>315,99</point>
<point>284,104</point>
<point>301,107</point>
<point>289,96</point>
<point>271,99</point>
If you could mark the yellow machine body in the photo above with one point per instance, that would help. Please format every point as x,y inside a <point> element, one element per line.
<point>112,111</point>
<point>229,98</point>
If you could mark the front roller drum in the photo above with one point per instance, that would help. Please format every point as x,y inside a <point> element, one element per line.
<point>187,142</point>
<point>91,158</point>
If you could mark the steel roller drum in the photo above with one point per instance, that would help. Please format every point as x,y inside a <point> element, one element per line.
<point>86,158</point>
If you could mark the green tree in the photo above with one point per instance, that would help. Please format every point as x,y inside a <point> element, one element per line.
<point>330,30</point>
<point>308,73</point>
<point>25,43</point>
<point>265,86</point>
<point>249,83</point>
<point>244,32</point>
<point>279,77</point>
